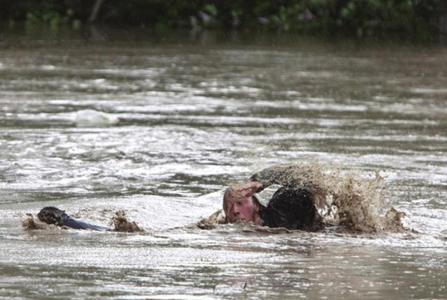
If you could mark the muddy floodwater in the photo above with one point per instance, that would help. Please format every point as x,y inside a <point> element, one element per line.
<point>159,129</point>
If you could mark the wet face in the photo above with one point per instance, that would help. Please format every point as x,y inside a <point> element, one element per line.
<point>239,205</point>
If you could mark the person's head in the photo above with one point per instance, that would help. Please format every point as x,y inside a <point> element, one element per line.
<point>240,205</point>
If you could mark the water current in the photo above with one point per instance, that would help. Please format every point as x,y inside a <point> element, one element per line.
<point>160,128</point>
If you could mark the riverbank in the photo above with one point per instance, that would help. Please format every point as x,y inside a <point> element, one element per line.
<point>21,36</point>
<point>416,20</point>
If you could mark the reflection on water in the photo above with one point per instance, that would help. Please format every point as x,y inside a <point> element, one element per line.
<point>159,129</point>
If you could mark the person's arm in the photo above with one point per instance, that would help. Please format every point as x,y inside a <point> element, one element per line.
<point>285,175</point>
<point>53,215</point>
<point>291,176</point>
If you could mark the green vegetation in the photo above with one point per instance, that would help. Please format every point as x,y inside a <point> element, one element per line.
<point>361,18</point>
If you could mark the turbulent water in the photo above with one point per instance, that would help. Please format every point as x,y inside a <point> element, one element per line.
<point>159,129</point>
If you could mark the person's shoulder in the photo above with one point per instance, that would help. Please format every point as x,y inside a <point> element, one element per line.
<point>291,193</point>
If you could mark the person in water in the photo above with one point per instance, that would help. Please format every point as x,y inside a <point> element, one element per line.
<point>55,216</point>
<point>292,206</point>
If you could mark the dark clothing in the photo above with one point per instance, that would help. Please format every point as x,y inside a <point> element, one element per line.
<point>53,215</point>
<point>292,209</point>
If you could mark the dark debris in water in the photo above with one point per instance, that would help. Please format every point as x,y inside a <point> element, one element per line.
<point>122,224</point>
<point>213,220</point>
<point>30,223</point>
<point>393,220</point>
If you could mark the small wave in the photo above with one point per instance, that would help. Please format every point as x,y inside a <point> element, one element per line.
<point>93,118</point>
<point>427,90</point>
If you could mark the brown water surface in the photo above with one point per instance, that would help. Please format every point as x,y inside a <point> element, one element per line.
<point>159,128</point>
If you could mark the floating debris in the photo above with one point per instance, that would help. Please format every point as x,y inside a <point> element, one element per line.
<point>30,223</point>
<point>122,224</point>
<point>213,220</point>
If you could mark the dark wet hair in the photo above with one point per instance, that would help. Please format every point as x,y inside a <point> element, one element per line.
<point>51,215</point>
